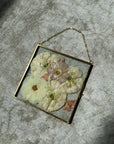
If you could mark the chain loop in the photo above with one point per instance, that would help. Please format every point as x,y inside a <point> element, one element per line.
<point>70,28</point>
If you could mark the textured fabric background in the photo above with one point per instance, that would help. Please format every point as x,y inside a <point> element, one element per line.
<point>23,24</point>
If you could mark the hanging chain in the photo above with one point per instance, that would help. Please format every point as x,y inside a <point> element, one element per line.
<point>71,28</point>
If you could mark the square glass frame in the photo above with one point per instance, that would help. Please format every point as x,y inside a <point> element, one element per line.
<point>86,68</point>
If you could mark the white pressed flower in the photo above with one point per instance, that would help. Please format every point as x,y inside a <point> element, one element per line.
<point>34,89</point>
<point>58,101</point>
<point>73,86</point>
<point>74,81</point>
<point>55,98</point>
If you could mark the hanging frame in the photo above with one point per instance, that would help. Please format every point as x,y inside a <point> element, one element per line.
<point>85,66</point>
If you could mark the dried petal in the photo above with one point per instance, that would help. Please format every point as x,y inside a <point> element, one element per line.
<point>69,104</point>
<point>62,60</point>
<point>45,76</point>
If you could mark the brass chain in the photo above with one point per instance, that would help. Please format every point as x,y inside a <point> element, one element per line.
<point>70,28</point>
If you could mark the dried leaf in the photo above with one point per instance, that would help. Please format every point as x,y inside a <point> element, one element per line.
<point>69,104</point>
<point>62,60</point>
<point>45,76</point>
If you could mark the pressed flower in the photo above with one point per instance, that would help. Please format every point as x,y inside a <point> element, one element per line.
<point>55,98</point>
<point>58,71</point>
<point>42,62</point>
<point>34,89</point>
<point>74,80</point>
<point>53,101</point>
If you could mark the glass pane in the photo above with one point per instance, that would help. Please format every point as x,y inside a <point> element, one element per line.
<point>61,72</point>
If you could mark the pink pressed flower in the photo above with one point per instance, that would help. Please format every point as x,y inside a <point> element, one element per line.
<point>58,71</point>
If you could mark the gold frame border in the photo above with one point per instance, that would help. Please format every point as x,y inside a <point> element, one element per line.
<point>81,91</point>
